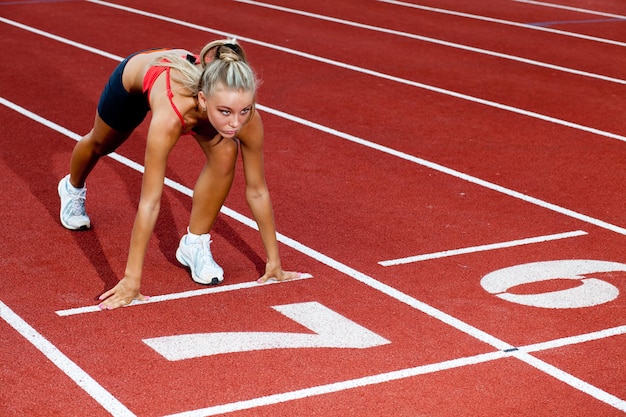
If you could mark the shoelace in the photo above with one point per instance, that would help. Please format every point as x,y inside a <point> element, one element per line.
<point>77,204</point>
<point>205,249</point>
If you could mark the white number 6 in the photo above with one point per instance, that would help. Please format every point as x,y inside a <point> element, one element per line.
<point>590,292</point>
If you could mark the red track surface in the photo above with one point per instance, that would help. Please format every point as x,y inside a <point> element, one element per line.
<point>395,140</point>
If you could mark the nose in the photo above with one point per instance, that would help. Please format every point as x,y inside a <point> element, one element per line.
<point>234,121</point>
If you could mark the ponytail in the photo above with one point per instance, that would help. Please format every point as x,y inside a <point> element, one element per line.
<point>186,72</point>
<point>222,62</point>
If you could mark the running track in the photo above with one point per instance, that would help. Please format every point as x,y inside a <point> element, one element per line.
<point>451,174</point>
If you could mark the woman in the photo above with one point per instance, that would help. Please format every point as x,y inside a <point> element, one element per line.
<point>210,96</point>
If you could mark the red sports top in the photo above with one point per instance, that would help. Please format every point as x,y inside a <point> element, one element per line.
<point>153,73</point>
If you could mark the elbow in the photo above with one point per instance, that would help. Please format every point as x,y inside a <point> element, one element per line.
<point>256,194</point>
<point>149,208</point>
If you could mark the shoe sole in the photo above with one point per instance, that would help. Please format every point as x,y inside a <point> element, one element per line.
<point>194,277</point>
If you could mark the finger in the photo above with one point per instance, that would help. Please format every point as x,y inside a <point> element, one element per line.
<point>108,298</point>
<point>106,305</point>
<point>115,302</point>
<point>291,275</point>
<point>107,294</point>
<point>263,279</point>
<point>112,299</point>
<point>285,276</point>
<point>111,303</point>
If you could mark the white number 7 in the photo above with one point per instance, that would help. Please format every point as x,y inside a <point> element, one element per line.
<point>331,329</point>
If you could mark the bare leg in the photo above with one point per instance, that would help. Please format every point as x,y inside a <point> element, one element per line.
<point>101,141</point>
<point>213,183</point>
<point>209,194</point>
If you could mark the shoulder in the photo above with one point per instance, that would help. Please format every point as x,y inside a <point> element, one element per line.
<point>164,123</point>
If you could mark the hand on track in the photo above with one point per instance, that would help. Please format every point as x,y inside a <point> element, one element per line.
<point>277,274</point>
<point>121,295</point>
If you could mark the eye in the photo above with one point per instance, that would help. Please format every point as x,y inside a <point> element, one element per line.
<point>225,112</point>
<point>246,110</point>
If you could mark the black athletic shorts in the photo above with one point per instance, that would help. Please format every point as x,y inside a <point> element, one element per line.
<point>117,107</point>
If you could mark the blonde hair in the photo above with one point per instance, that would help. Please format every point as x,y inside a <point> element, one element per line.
<point>222,62</point>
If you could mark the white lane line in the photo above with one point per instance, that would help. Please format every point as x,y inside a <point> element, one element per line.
<point>415,303</point>
<point>519,353</point>
<point>437,42</point>
<point>481,248</point>
<point>412,302</point>
<point>65,364</point>
<point>376,74</point>
<point>445,170</point>
<point>574,9</point>
<point>179,295</point>
<point>61,39</point>
<point>320,257</point>
<point>573,340</point>
<point>571,380</point>
<point>390,151</point>
<point>340,386</point>
<point>505,22</point>
<point>390,291</point>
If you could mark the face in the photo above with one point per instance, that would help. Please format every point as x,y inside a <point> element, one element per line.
<point>228,110</point>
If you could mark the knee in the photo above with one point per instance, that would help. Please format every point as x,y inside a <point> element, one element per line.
<point>223,161</point>
<point>95,147</point>
<point>100,149</point>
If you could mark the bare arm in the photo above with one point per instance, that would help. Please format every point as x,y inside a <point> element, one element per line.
<point>162,135</point>
<point>258,197</point>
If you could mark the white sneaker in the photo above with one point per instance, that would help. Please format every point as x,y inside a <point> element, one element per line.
<point>197,256</point>
<point>72,214</point>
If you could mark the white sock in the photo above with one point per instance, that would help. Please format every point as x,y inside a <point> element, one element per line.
<point>73,189</point>
<point>192,236</point>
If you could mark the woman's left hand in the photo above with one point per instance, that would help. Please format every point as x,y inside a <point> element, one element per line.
<point>123,294</point>
<point>276,273</point>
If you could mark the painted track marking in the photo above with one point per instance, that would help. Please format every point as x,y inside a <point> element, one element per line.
<point>331,330</point>
<point>505,22</point>
<point>437,42</point>
<point>590,291</point>
<point>481,248</point>
<point>575,9</point>
<point>377,74</point>
<point>65,364</point>
<point>320,257</point>
<point>354,139</point>
<point>117,409</point>
<point>427,369</point>
<point>502,346</point>
<point>179,296</point>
